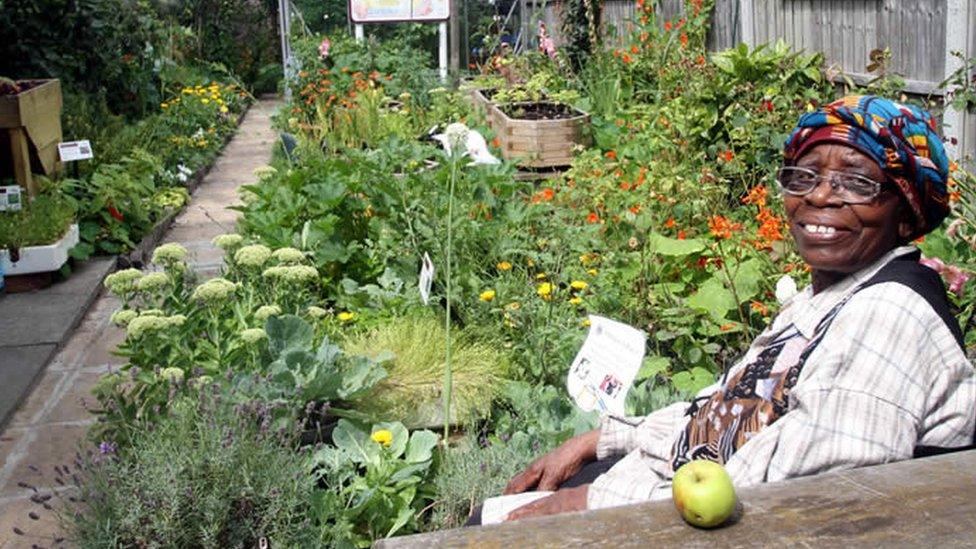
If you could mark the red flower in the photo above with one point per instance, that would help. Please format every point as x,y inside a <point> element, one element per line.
<point>667,26</point>
<point>634,49</point>
<point>681,235</point>
<point>112,211</point>
<point>684,40</point>
<point>496,142</point>
<point>670,223</point>
<point>767,105</point>
<point>612,155</point>
<point>592,218</point>
<point>635,209</point>
<point>727,155</point>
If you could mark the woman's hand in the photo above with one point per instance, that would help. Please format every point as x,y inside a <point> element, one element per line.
<point>549,471</point>
<point>562,501</point>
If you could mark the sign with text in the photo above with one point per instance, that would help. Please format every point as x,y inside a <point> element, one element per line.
<point>390,11</point>
<point>69,151</point>
<point>10,198</point>
<point>606,365</point>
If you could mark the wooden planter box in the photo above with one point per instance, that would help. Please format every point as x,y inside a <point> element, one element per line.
<point>483,105</point>
<point>539,143</point>
<point>30,130</point>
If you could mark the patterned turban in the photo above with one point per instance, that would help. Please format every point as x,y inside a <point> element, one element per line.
<point>902,139</point>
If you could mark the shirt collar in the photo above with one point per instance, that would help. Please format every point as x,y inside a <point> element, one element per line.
<point>807,309</point>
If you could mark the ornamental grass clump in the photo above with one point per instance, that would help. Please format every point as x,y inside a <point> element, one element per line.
<point>207,475</point>
<point>412,390</point>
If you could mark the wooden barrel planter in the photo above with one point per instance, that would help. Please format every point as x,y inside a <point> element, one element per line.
<point>30,130</point>
<point>540,134</point>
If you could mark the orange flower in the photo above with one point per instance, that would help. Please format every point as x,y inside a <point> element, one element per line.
<point>612,155</point>
<point>757,196</point>
<point>592,218</point>
<point>759,307</point>
<point>667,26</point>
<point>955,196</point>
<point>721,227</point>
<point>626,58</point>
<point>726,327</point>
<point>644,19</point>
<point>684,40</point>
<point>919,240</point>
<point>700,60</point>
<point>624,186</point>
<point>727,155</point>
<point>635,209</point>
<point>770,228</point>
<point>670,223</point>
<point>681,235</point>
<point>644,36</point>
<point>634,49</point>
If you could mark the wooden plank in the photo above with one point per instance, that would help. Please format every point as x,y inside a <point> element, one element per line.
<point>20,153</point>
<point>923,502</point>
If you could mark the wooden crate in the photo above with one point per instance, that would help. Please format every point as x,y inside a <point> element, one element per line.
<point>30,124</point>
<point>539,143</point>
<point>483,106</point>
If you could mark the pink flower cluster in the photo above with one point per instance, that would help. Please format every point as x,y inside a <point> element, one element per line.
<point>955,277</point>
<point>324,47</point>
<point>546,44</point>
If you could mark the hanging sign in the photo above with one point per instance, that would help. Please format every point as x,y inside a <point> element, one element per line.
<point>391,11</point>
<point>69,151</point>
<point>603,371</point>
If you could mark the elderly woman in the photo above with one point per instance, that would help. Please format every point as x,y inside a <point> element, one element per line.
<point>864,367</point>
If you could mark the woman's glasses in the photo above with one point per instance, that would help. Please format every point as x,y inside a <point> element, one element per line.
<point>851,188</point>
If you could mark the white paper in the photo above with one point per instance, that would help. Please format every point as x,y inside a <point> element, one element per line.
<point>69,151</point>
<point>10,198</point>
<point>605,367</point>
<point>494,510</point>
<point>426,278</point>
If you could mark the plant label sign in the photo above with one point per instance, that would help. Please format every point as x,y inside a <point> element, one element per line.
<point>70,151</point>
<point>426,278</point>
<point>10,198</point>
<point>605,367</point>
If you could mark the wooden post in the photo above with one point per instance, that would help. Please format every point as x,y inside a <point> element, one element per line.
<point>952,120</point>
<point>455,43</point>
<point>747,30</point>
<point>20,152</point>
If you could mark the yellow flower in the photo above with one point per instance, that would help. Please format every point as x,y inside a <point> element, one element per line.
<point>513,306</point>
<point>205,101</point>
<point>585,323</point>
<point>487,295</point>
<point>578,285</point>
<point>540,276</point>
<point>591,272</point>
<point>224,109</point>
<point>504,266</point>
<point>163,105</point>
<point>575,300</point>
<point>383,436</point>
<point>544,290</point>
<point>346,316</point>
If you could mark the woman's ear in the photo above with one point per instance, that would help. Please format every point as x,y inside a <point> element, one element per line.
<point>906,222</point>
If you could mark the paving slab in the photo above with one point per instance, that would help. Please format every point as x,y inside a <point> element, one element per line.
<point>21,366</point>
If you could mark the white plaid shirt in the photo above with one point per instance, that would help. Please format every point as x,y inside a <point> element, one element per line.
<point>887,376</point>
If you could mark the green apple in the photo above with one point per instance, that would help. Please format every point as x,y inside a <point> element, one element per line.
<point>703,493</point>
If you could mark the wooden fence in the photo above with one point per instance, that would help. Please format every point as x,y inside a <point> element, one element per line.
<point>920,34</point>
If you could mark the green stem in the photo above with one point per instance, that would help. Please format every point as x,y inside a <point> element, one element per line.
<point>447,317</point>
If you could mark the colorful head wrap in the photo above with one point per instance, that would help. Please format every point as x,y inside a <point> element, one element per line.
<point>902,139</point>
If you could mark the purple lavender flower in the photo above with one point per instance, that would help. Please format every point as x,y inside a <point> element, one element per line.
<point>107,448</point>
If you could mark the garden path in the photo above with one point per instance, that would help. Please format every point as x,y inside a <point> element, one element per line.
<point>46,430</point>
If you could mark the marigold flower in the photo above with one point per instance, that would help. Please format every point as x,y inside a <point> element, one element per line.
<point>668,26</point>
<point>586,323</point>
<point>757,196</point>
<point>383,436</point>
<point>579,285</point>
<point>504,266</point>
<point>487,296</point>
<point>544,290</point>
<point>626,58</point>
<point>759,307</point>
<point>592,272</point>
<point>575,300</point>
<point>726,155</point>
<point>346,316</point>
<point>634,49</point>
<point>684,40</point>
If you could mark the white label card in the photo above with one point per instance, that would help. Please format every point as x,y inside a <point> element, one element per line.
<point>605,367</point>
<point>426,278</point>
<point>10,198</point>
<point>69,151</point>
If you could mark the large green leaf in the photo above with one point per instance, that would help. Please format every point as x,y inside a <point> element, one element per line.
<point>421,446</point>
<point>400,436</point>
<point>713,298</point>
<point>355,443</point>
<point>288,332</point>
<point>652,366</point>
<point>658,243</point>
<point>745,278</point>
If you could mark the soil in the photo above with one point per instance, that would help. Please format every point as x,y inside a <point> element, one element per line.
<point>539,111</point>
<point>9,87</point>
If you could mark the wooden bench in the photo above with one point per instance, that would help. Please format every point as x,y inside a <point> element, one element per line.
<point>923,502</point>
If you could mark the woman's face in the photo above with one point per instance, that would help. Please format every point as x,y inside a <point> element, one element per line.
<point>862,232</point>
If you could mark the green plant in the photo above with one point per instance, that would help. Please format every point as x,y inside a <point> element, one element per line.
<point>373,482</point>
<point>411,392</point>
<point>209,475</point>
<point>41,221</point>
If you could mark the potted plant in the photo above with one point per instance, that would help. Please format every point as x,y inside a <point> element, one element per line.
<point>37,238</point>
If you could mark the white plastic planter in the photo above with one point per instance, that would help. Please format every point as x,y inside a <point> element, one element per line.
<point>40,259</point>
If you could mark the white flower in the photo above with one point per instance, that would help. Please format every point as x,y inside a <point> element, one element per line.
<point>123,281</point>
<point>140,325</point>
<point>169,254</point>
<point>153,282</point>
<point>288,255</point>
<point>457,137</point>
<point>316,312</point>
<point>214,290</point>
<point>253,335</point>
<point>227,241</point>
<point>785,288</point>
<point>176,320</point>
<point>254,255</point>
<point>264,171</point>
<point>122,317</point>
<point>266,311</point>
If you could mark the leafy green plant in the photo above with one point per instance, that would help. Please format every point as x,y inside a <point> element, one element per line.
<point>373,482</point>
<point>41,221</point>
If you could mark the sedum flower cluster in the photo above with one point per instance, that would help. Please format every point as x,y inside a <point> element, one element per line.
<point>266,311</point>
<point>172,374</point>
<point>316,312</point>
<point>142,325</point>
<point>227,241</point>
<point>214,290</point>
<point>169,254</point>
<point>123,282</point>
<point>253,335</point>
<point>295,274</point>
<point>153,282</point>
<point>289,256</point>
<point>254,255</point>
<point>122,317</point>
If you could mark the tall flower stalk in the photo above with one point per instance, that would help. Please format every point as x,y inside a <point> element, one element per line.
<point>447,271</point>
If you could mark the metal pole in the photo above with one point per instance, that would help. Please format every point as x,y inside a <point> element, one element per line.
<point>360,33</point>
<point>442,51</point>
<point>283,18</point>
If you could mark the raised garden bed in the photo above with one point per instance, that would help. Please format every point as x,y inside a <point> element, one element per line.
<point>539,134</point>
<point>30,130</point>
<point>39,259</point>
